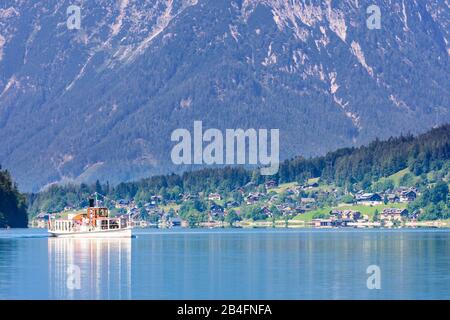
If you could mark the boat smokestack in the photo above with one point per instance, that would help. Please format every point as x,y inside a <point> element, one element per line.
<point>91,203</point>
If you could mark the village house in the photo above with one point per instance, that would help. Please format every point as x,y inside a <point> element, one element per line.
<point>149,205</point>
<point>266,211</point>
<point>368,199</point>
<point>323,223</point>
<point>247,186</point>
<point>216,210</point>
<point>175,222</point>
<point>270,184</point>
<point>41,220</point>
<point>188,196</point>
<point>408,196</point>
<point>313,183</point>
<point>156,211</point>
<point>169,221</point>
<point>286,209</point>
<point>391,214</point>
<point>215,215</point>
<point>393,198</point>
<point>122,204</point>
<point>348,215</point>
<point>351,215</point>
<point>137,214</point>
<point>309,203</point>
<point>232,204</point>
<point>252,198</point>
<point>154,200</point>
<point>241,190</point>
<point>301,209</point>
<point>308,200</point>
<point>214,196</point>
<point>298,190</point>
<point>414,215</point>
<point>290,191</point>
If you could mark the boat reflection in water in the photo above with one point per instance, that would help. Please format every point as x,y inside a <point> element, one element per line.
<point>89,268</point>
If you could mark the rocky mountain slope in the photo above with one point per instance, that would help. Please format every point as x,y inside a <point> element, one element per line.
<point>101,102</point>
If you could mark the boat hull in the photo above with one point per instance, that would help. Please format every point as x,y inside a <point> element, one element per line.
<point>121,233</point>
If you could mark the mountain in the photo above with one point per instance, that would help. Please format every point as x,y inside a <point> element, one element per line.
<point>13,209</point>
<point>101,102</point>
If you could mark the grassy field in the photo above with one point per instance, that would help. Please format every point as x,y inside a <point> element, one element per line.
<point>398,175</point>
<point>308,216</point>
<point>283,187</point>
<point>313,180</point>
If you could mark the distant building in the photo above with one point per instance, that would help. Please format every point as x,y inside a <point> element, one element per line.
<point>41,220</point>
<point>393,198</point>
<point>154,200</point>
<point>408,196</point>
<point>175,222</point>
<point>351,215</point>
<point>122,204</point>
<point>252,198</point>
<point>290,191</point>
<point>271,184</point>
<point>346,215</point>
<point>188,196</point>
<point>323,223</point>
<point>301,209</point>
<point>312,183</point>
<point>390,214</point>
<point>232,204</point>
<point>287,209</point>
<point>308,200</point>
<point>266,211</point>
<point>216,208</point>
<point>214,196</point>
<point>241,190</point>
<point>368,199</point>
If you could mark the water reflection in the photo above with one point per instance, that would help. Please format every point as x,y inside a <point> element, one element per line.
<point>104,268</point>
<point>228,264</point>
<point>291,265</point>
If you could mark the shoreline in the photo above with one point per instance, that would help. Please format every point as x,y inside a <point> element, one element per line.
<point>292,224</point>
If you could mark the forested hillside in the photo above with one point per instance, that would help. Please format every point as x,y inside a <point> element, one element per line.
<point>13,211</point>
<point>101,102</point>
<point>357,168</point>
<point>352,169</point>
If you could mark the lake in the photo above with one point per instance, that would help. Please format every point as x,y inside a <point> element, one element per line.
<point>227,264</point>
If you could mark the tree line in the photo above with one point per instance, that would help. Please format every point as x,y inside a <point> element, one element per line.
<point>13,209</point>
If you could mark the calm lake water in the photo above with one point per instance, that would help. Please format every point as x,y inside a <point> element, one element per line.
<point>227,264</point>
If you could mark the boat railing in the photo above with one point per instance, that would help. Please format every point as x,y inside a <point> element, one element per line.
<point>76,226</point>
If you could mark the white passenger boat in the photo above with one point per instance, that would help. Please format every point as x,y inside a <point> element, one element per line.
<point>94,223</point>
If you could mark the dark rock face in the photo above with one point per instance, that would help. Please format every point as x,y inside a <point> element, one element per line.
<point>101,102</point>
